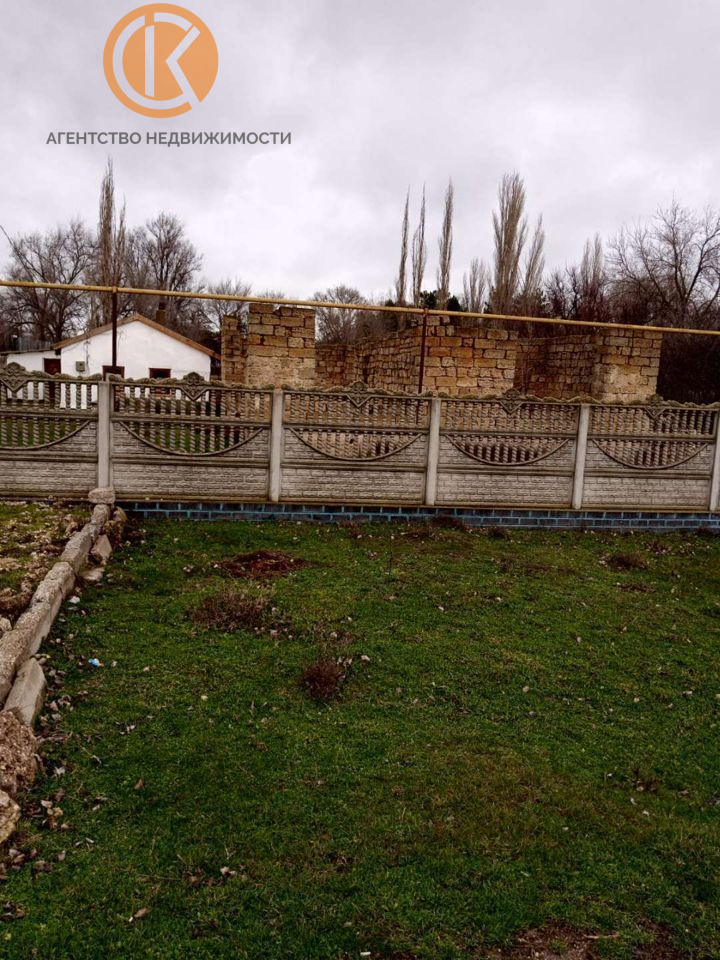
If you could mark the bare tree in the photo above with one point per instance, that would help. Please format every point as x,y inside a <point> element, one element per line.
<point>580,292</point>
<point>160,256</point>
<point>110,248</point>
<point>531,292</point>
<point>475,284</point>
<point>335,325</point>
<point>401,282</point>
<point>671,265</point>
<point>61,256</point>
<point>419,255</point>
<point>593,282</point>
<point>445,244</point>
<point>216,310</point>
<point>510,233</point>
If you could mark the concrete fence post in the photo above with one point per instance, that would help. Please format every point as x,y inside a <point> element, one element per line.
<point>276,439</point>
<point>104,397</point>
<point>433,452</point>
<point>715,481</point>
<point>581,441</point>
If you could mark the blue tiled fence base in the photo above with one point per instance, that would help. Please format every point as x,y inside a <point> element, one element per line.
<point>472,517</point>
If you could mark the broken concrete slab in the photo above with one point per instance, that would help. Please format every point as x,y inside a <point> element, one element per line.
<point>92,574</point>
<point>56,586</point>
<point>78,547</point>
<point>102,550</point>
<point>27,696</point>
<point>100,515</point>
<point>13,650</point>
<point>36,623</point>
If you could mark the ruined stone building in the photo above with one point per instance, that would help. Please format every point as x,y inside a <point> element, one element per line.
<point>278,347</point>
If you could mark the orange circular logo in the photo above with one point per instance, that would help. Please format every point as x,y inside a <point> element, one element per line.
<point>160,60</point>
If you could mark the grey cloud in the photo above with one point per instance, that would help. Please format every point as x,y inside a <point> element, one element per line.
<point>607,111</point>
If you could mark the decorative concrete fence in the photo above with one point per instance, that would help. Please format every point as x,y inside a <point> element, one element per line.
<point>198,441</point>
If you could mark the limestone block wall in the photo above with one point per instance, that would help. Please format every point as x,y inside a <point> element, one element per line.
<point>233,350</point>
<point>612,365</point>
<point>560,367</point>
<point>391,362</point>
<point>280,347</point>
<point>627,366</point>
<point>459,361</point>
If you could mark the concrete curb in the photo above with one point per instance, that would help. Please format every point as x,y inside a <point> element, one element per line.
<point>28,693</point>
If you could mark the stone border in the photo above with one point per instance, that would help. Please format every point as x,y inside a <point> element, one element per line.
<point>22,681</point>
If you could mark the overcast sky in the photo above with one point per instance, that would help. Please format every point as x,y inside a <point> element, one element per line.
<point>606,109</point>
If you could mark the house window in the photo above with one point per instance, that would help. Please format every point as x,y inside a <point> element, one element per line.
<point>159,373</point>
<point>108,368</point>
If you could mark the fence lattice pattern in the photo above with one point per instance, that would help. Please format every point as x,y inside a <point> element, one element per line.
<point>198,439</point>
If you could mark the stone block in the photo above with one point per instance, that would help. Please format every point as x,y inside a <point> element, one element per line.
<point>13,651</point>
<point>78,548</point>
<point>9,816</point>
<point>27,696</point>
<point>102,550</point>
<point>101,515</point>
<point>55,587</point>
<point>102,495</point>
<point>36,623</point>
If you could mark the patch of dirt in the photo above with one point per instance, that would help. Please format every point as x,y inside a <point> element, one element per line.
<point>559,942</point>
<point>626,561</point>
<point>18,754</point>
<point>351,528</point>
<point>635,588</point>
<point>419,531</point>
<point>262,564</point>
<point>230,610</point>
<point>498,533</point>
<point>12,604</point>
<point>553,942</point>
<point>449,523</point>
<point>660,947</point>
<point>523,567</point>
<point>323,679</point>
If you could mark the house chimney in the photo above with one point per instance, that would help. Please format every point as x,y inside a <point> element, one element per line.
<point>161,313</point>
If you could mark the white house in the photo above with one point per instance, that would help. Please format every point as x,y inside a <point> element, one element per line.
<point>145,349</point>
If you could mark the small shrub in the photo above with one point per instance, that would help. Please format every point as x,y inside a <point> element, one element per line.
<point>323,679</point>
<point>231,610</point>
<point>626,561</point>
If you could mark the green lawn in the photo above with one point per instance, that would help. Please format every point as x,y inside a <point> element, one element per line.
<point>528,733</point>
